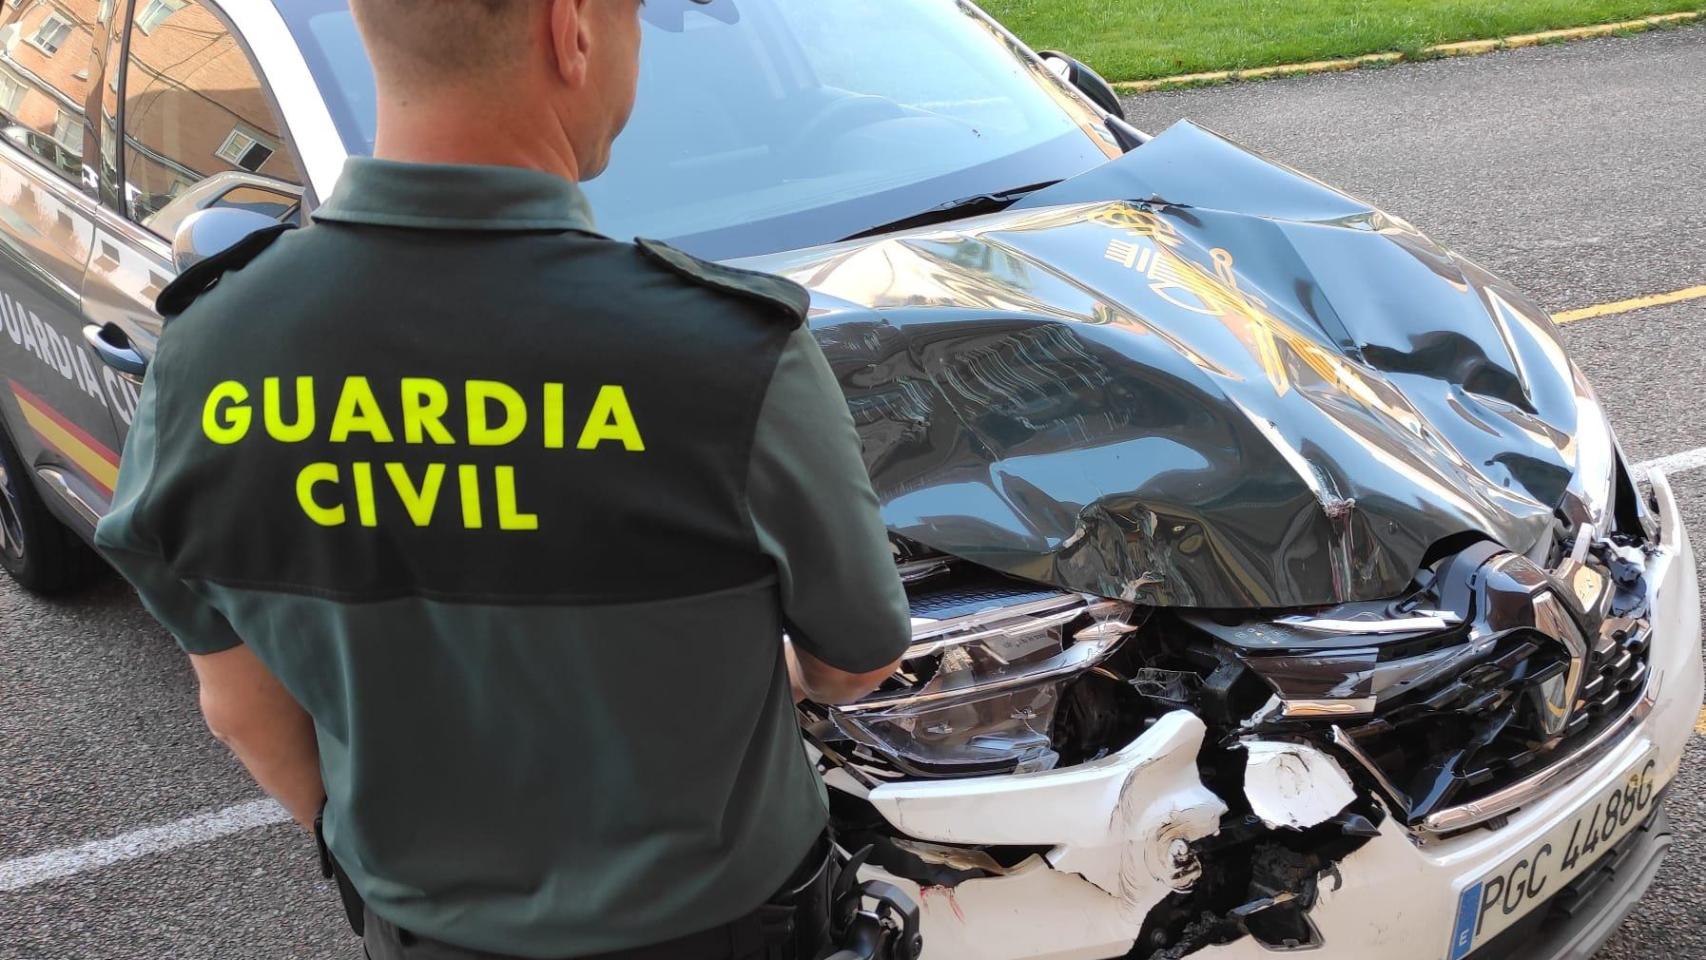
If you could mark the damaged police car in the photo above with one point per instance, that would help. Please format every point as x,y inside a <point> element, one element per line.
<point>1277,580</point>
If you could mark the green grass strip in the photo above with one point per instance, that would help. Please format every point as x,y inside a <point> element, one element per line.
<point>1145,39</point>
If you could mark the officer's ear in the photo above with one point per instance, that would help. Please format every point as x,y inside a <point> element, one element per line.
<point>571,40</point>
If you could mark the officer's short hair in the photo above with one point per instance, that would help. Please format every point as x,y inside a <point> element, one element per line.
<point>427,40</point>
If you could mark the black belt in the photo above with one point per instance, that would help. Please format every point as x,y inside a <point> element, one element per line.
<point>818,910</point>
<point>743,939</point>
<point>793,925</point>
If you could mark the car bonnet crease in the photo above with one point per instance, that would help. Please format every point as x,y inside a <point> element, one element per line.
<point>1193,377</point>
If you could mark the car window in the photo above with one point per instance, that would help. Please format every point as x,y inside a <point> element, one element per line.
<point>197,123</point>
<point>45,67</point>
<point>768,124</point>
<point>813,104</point>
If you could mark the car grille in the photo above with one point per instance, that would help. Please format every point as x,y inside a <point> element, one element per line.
<point>1492,683</point>
<point>1617,677</point>
<point>1477,736</point>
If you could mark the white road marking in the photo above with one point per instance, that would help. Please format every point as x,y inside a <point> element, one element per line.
<point>201,828</point>
<point>1675,463</point>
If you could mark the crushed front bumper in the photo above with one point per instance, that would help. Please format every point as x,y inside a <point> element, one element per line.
<point>1118,831</point>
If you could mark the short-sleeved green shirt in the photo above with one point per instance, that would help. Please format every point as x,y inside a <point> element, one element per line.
<point>519,514</point>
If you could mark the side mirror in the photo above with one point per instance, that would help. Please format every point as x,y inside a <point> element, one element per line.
<point>214,230</point>
<point>1088,81</point>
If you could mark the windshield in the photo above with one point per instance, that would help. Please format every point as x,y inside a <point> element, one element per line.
<point>765,125</point>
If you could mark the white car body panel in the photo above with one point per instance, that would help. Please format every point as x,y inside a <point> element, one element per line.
<point>1129,814</point>
<point>1294,785</point>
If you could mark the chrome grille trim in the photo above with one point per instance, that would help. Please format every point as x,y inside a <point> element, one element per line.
<point>1518,795</point>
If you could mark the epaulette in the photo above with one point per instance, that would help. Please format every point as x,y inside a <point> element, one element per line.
<point>789,298</point>
<point>198,279</point>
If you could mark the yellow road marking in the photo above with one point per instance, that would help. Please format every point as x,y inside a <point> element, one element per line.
<point>1627,306</point>
<point>1700,721</point>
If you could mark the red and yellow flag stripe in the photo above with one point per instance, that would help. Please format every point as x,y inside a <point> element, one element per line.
<point>88,455</point>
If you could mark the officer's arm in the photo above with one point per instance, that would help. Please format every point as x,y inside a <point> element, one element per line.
<point>243,703</point>
<point>814,680</point>
<point>253,714</point>
<point>816,515</point>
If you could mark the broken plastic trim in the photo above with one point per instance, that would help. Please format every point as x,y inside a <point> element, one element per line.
<point>1428,620</point>
<point>1257,881</point>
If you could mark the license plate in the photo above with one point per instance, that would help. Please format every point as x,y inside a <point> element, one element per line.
<point>1504,896</point>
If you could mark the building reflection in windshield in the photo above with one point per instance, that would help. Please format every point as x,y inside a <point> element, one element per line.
<point>198,127</point>
<point>198,132</point>
<point>45,79</point>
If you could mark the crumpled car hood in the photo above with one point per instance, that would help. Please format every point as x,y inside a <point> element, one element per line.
<point>1193,377</point>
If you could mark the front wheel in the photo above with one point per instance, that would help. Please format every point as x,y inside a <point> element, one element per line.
<point>35,548</point>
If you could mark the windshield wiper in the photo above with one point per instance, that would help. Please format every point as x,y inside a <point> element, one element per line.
<point>956,210</point>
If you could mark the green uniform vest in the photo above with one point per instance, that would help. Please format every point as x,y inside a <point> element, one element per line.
<point>519,514</point>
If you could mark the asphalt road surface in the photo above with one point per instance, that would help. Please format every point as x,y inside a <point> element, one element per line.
<point>1575,171</point>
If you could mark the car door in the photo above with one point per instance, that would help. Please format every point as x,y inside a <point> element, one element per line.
<point>54,399</point>
<point>194,127</point>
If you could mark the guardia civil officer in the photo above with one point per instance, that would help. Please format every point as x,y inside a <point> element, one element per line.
<point>483,530</point>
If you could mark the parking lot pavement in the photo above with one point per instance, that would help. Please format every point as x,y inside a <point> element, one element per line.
<point>1573,171</point>
<point>99,723</point>
<point>253,897</point>
<point>1562,168</point>
<point>99,735</point>
<point>1653,407</point>
<point>1649,369</point>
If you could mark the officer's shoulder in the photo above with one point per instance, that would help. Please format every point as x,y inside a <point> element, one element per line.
<point>198,279</point>
<point>781,300</point>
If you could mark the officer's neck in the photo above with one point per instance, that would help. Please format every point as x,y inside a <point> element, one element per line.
<point>441,130</point>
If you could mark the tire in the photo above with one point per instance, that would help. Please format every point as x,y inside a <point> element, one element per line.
<point>40,553</point>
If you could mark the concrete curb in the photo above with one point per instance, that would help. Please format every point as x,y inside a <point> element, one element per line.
<point>1465,48</point>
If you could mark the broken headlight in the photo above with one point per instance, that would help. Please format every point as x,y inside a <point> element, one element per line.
<point>978,691</point>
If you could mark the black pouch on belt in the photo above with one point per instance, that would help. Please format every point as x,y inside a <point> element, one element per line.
<point>355,909</point>
<point>795,923</point>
